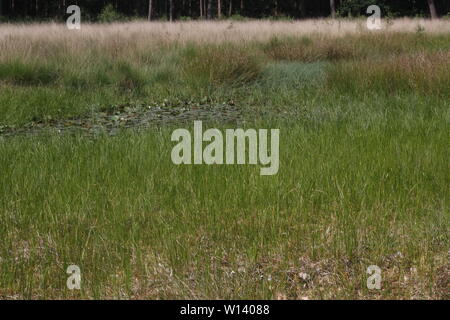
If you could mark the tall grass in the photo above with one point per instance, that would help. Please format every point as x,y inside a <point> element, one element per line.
<point>17,72</point>
<point>363,177</point>
<point>147,69</point>
<point>140,227</point>
<point>222,65</point>
<point>350,47</point>
<point>423,73</point>
<point>136,35</point>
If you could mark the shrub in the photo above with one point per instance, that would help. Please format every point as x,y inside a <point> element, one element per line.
<point>109,14</point>
<point>237,17</point>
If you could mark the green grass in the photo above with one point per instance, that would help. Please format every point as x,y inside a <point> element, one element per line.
<point>216,71</point>
<point>19,73</point>
<point>364,178</point>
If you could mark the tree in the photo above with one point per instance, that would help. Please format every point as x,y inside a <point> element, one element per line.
<point>209,10</point>
<point>333,8</point>
<point>19,10</point>
<point>171,10</point>
<point>302,8</point>
<point>219,9</point>
<point>432,7</point>
<point>150,8</point>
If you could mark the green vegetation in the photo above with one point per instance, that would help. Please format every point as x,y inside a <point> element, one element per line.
<point>64,84</point>
<point>364,173</point>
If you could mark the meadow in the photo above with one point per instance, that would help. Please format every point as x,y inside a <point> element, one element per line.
<point>364,176</point>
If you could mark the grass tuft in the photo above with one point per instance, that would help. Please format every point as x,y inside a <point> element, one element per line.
<point>20,73</point>
<point>221,64</point>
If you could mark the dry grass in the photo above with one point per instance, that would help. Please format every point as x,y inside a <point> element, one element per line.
<point>307,50</point>
<point>422,72</point>
<point>40,40</point>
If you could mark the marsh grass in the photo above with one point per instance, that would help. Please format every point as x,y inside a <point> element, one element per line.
<point>422,72</point>
<point>363,178</point>
<point>140,228</point>
<point>16,72</point>
<point>149,72</point>
<point>350,47</point>
<point>221,64</point>
<point>307,50</point>
<point>292,75</point>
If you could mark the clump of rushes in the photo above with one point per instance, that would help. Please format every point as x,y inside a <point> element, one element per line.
<point>122,75</point>
<point>424,73</point>
<point>19,73</point>
<point>223,64</point>
<point>129,77</point>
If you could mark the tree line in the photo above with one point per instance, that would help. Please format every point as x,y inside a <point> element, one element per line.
<point>171,10</point>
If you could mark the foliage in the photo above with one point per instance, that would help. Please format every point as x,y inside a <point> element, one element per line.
<point>109,14</point>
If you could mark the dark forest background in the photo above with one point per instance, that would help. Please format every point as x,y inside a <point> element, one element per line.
<point>116,10</point>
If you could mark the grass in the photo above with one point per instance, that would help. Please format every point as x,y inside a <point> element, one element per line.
<point>364,172</point>
<point>221,65</point>
<point>424,73</point>
<point>19,73</point>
